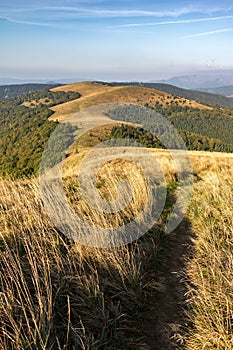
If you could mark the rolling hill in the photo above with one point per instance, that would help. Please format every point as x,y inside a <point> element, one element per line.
<point>24,131</point>
<point>93,93</point>
<point>187,115</point>
<point>28,121</point>
<point>200,96</point>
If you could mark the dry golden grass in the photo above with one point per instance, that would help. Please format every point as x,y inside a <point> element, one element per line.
<point>85,88</point>
<point>95,94</point>
<point>211,269</point>
<point>51,297</point>
<point>34,103</point>
<point>57,294</point>
<point>202,162</point>
<point>106,183</point>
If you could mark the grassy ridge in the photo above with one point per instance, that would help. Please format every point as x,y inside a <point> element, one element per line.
<point>24,123</point>
<point>96,93</point>
<point>200,96</point>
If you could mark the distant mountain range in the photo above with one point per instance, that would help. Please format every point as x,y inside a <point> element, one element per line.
<point>11,81</point>
<point>201,80</point>
<point>223,90</point>
<point>213,81</point>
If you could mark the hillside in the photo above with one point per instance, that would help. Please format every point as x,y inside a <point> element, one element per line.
<point>28,121</point>
<point>24,131</point>
<point>10,91</point>
<point>93,93</point>
<point>189,121</point>
<point>200,96</point>
<point>202,127</point>
<point>163,291</point>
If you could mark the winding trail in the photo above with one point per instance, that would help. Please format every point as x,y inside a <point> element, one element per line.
<point>167,329</point>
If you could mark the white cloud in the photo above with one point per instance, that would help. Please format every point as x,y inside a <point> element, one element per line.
<point>12,20</point>
<point>48,15</point>
<point>104,12</point>
<point>151,24</point>
<point>208,33</point>
<point>120,13</point>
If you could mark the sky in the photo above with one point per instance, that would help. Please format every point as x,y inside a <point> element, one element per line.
<point>114,40</point>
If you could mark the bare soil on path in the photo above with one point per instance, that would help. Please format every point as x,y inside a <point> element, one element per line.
<point>168,327</point>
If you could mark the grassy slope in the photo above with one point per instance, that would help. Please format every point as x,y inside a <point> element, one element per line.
<point>60,295</point>
<point>215,324</point>
<point>210,270</point>
<point>93,94</point>
<point>200,96</point>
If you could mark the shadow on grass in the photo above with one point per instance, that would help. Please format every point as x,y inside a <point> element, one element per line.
<point>166,325</point>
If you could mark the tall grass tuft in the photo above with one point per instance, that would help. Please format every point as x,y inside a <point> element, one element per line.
<point>57,294</point>
<point>211,269</point>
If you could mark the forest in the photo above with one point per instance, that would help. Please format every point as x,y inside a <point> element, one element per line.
<point>141,137</point>
<point>25,131</point>
<point>207,130</point>
<point>10,91</point>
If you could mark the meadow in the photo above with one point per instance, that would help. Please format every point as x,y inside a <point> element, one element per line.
<point>58,294</point>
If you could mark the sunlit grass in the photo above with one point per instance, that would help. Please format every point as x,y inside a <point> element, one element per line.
<point>57,294</point>
<point>211,269</point>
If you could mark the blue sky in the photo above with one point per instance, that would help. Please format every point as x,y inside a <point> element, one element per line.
<point>114,40</point>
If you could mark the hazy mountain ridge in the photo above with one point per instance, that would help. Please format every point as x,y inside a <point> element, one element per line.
<point>201,80</point>
<point>55,81</point>
<point>222,90</point>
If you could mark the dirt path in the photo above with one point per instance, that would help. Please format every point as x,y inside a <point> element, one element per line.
<point>63,111</point>
<point>167,328</point>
